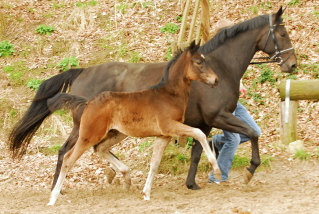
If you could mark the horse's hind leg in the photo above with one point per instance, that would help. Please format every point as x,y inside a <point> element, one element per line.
<point>158,150</point>
<point>102,149</point>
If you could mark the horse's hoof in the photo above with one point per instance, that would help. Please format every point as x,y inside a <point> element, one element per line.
<point>110,174</point>
<point>193,187</point>
<point>247,176</point>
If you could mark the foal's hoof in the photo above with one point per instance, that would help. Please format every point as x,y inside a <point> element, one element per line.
<point>247,176</point>
<point>110,174</point>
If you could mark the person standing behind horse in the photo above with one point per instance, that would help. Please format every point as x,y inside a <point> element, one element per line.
<point>228,142</point>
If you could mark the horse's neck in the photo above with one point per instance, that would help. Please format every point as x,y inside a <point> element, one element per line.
<point>236,53</point>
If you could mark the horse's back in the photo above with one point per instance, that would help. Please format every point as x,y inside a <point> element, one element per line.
<point>117,76</point>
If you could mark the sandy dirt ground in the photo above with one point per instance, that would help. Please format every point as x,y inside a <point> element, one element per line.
<point>290,186</point>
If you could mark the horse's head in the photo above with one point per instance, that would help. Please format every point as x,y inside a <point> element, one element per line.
<point>198,69</point>
<point>276,43</point>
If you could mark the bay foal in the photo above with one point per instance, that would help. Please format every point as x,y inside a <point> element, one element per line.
<point>158,111</point>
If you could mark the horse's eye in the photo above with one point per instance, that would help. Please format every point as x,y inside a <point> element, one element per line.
<point>199,63</point>
<point>282,34</point>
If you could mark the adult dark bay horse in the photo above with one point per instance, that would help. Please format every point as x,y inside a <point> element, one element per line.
<point>228,53</point>
<point>157,111</point>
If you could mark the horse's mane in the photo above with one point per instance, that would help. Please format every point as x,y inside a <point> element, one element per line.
<point>164,79</point>
<point>230,32</point>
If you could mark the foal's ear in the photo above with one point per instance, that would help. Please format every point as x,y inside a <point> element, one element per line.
<point>194,47</point>
<point>279,14</point>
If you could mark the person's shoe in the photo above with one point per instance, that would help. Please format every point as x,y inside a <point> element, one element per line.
<point>213,182</point>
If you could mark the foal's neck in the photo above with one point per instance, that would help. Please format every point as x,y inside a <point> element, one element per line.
<point>178,84</point>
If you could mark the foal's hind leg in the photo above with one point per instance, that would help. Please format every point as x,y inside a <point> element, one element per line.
<point>76,114</point>
<point>158,150</point>
<point>69,159</point>
<point>102,149</point>
<point>64,149</point>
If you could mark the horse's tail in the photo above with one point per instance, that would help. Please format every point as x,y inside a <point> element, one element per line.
<point>27,126</point>
<point>65,101</point>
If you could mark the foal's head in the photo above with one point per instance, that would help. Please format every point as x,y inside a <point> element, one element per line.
<point>197,68</point>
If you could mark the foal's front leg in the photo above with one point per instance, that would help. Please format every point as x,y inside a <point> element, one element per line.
<point>180,129</point>
<point>159,146</point>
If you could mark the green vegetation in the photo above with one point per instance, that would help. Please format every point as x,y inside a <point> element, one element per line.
<point>143,146</point>
<point>135,57</point>
<point>47,151</point>
<point>170,28</point>
<point>34,84</point>
<point>16,73</point>
<point>44,30</point>
<point>6,48</point>
<point>83,4</point>
<point>301,155</point>
<point>168,54</point>
<point>67,63</point>
<point>293,3</point>
<point>147,4</point>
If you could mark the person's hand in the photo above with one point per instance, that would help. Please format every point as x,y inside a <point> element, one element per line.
<point>243,91</point>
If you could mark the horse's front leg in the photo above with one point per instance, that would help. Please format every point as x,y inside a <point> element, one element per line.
<point>255,160</point>
<point>159,146</point>
<point>196,153</point>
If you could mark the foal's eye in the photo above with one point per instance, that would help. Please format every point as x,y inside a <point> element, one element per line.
<point>199,63</point>
<point>282,34</point>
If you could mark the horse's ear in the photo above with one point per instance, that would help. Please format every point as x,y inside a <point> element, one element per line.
<point>193,47</point>
<point>279,14</point>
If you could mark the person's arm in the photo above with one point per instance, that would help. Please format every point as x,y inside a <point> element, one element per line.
<point>242,89</point>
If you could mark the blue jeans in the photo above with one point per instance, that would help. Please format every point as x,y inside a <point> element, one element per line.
<point>228,143</point>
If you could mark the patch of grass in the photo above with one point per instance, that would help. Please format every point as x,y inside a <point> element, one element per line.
<point>44,30</point>
<point>84,4</point>
<point>170,28</point>
<point>67,63</point>
<point>122,7</point>
<point>48,151</point>
<point>293,3</point>
<point>168,54</point>
<point>34,84</point>
<point>6,48</point>
<point>16,73</point>
<point>241,162</point>
<point>135,57</point>
<point>301,155</point>
<point>266,74</point>
<point>143,146</point>
<point>147,4</point>
<point>56,5</point>
<point>61,112</point>
<point>175,160</point>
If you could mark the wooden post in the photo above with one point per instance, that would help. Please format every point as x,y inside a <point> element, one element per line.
<point>288,129</point>
<point>296,90</point>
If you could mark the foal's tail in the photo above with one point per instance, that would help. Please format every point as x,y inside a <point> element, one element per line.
<point>65,101</point>
<point>24,130</point>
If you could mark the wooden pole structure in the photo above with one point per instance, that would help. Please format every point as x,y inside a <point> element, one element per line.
<point>202,32</point>
<point>202,27</point>
<point>290,92</point>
